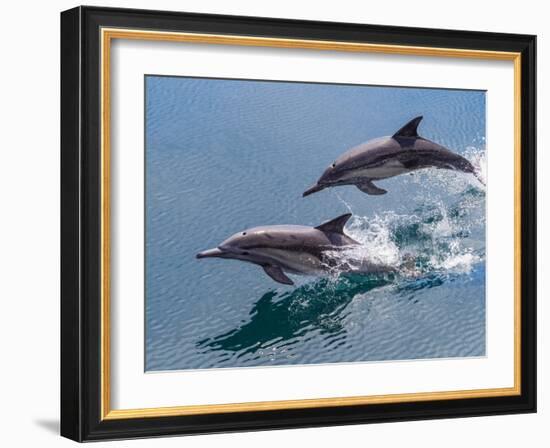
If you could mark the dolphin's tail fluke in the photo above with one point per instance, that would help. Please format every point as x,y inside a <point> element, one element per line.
<point>479,177</point>
<point>463,164</point>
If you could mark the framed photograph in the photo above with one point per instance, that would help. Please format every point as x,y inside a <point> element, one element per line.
<point>275,224</point>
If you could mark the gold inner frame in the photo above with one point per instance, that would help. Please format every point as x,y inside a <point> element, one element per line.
<point>107,35</point>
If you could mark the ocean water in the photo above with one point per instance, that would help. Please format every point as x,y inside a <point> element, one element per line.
<point>226,155</point>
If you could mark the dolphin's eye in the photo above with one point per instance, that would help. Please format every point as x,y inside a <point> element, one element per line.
<point>244,233</point>
<point>333,165</point>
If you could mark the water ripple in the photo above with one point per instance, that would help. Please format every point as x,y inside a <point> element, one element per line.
<point>222,156</point>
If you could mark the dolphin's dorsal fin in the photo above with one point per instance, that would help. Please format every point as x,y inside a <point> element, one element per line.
<point>410,129</point>
<point>335,225</point>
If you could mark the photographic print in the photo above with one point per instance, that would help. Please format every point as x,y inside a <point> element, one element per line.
<point>254,207</point>
<point>294,223</point>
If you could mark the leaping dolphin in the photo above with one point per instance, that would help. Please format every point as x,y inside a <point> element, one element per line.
<point>385,157</point>
<point>281,249</point>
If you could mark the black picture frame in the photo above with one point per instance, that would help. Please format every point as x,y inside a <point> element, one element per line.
<point>81,224</point>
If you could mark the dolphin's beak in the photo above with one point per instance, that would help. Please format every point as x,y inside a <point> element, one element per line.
<point>312,190</point>
<point>216,252</point>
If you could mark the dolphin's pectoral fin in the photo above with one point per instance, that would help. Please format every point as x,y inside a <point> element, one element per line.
<point>277,274</point>
<point>369,188</point>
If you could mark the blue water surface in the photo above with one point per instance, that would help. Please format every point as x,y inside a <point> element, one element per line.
<point>226,155</point>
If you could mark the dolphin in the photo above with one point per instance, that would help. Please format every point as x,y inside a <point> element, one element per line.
<point>292,249</point>
<point>384,157</point>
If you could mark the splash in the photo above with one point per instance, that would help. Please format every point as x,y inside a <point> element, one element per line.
<point>444,233</point>
<point>433,245</point>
